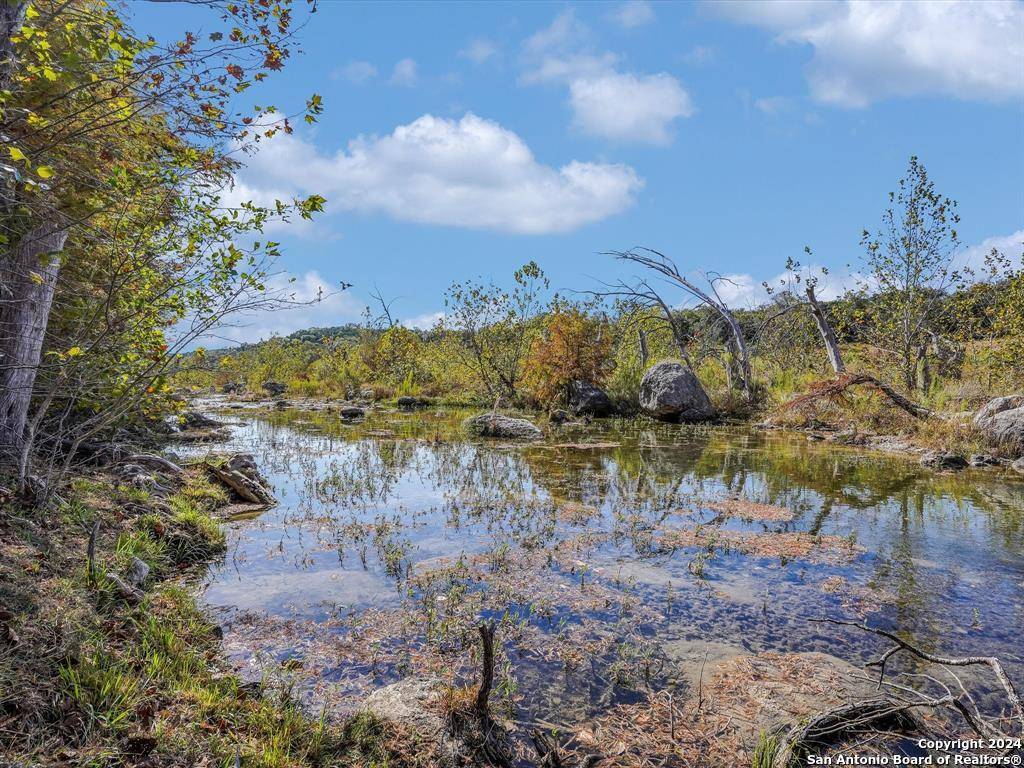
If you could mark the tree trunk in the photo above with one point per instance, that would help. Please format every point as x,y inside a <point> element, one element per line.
<point>641,336</point>
<point>12,16</point>
<point>28,278</point>
<point>827,334</point>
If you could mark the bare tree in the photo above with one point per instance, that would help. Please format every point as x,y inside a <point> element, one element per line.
<point>666,269</point>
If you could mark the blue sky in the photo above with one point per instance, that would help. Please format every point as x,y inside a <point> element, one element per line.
<point>464,139</point>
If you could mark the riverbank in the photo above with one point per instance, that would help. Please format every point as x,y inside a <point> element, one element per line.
<point>596,564</point>
<point>93,675</point>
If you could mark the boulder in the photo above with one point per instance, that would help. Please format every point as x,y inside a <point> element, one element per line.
<point>1018,466</point>
<point>351,412</point>
<point>588,399</point>
<point>983,460</point>
<point>232,387</point>
<point>672,392</point>
<point>191,420</point>
<point>273,388</point>
<point>1001,420</point>
<point>496,425</point>
<point>943,460</point>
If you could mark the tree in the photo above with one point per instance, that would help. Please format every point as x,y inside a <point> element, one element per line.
<point>573,345</point>
<point>791,283</point>
<point>493,329</point>
<point>909,266</point>
<point>119,250</point>
<point>667,270</point>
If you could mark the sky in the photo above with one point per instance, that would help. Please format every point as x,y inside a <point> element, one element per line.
<point>462,140</point>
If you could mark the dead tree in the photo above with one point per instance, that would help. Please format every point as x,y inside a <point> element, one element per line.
<point>828,336</point>
<point>664,267</point>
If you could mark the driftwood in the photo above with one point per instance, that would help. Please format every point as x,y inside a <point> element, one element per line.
<point>793,744</point>
<point>239,473</point>
<point>152,461</point>
<point>129,593</point>
<point>835,389</point>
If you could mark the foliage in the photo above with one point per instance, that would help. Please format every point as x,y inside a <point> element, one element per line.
<point>131,145</point>
<point>573,345</point>
<point>909,268</point>
<point>490,330</point>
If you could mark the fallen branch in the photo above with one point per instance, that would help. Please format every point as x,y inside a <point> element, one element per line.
<point>154,462</point>
<point>972,715</point>
<point>834,389</point>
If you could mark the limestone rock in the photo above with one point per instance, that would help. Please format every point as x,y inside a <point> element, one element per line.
<point>1001,420</point>
<point>496,425</point>
<point>589,399</point>
<point>943,460</point>
<point>672,392</point>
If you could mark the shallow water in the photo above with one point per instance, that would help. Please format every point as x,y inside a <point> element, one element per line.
<point>394,534</point>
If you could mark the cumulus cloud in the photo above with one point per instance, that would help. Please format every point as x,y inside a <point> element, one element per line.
<point>356,72</point>
<point>605,101</point>
<point>634,13</point>
<point>424,322</point>
<point>628,107</point>
<point>1011,246</point>
<point>867,50</point>
<point>480,50</point>
<point>470,173</point>
<point>405,74</point>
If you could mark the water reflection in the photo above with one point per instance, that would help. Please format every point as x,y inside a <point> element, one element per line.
<point>395,533</point>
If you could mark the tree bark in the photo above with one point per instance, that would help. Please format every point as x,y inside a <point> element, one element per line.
<point>828,336</point>
<point>28,279</point>
<point>12,16</point>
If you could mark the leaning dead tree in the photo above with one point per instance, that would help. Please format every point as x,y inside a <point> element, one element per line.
<point>666,270</point>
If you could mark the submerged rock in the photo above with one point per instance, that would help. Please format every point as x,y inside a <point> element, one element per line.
<point>589,399</point>
<point>672,392</point>
<point>409,402</point>
<point>351,412</point>
<point>496,425</point>
<point>943,460</point>
<point>1001,420</point>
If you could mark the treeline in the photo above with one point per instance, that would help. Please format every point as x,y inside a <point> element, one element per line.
<point>943,345</point>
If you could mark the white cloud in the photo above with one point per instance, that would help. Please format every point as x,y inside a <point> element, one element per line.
<point>424,322</point>
<point>405,74</point>
<point>634,13</point>
<point>700,55</point>
<point>771,105</point>
<point>356,72</point>
<point>628,107</point>
<point>480,50</point>
<point>470,173</point>
<point>605,102</point>
<point>1011,246</point>
<point>867,50</point>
